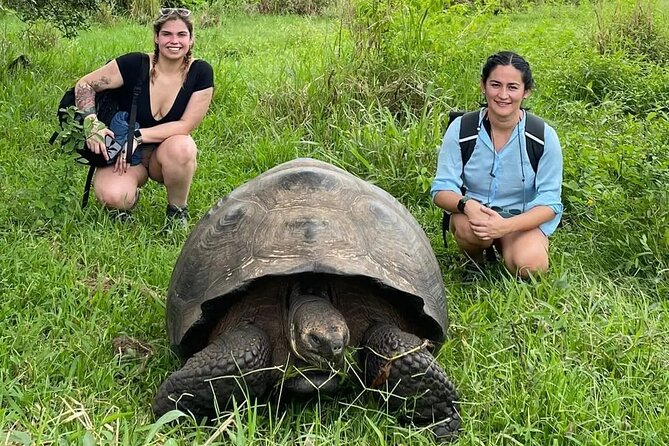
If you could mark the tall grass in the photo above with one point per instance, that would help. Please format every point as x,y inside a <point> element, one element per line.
<point>578,356</point>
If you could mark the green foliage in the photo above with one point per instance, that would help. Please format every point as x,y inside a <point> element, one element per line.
<point>142,10</point>
<point>69,16</point>
<point>637,87</point>
<point>577,356</point>
<point>212,15</point>
<point>301,7</point>
<point>636,32</point>
<point>73,134</point>
<point>193,5</point>
<point>40,36</point>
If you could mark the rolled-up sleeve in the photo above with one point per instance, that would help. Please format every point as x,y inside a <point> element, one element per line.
<point>548,181</point>
<point>449,162</point>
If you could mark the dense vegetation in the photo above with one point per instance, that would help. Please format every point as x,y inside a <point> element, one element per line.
<point>579,356</point>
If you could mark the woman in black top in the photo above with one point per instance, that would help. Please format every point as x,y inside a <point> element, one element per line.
<point>175,96</point>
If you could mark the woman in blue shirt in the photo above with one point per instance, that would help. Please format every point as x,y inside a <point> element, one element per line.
<point>499,176</point>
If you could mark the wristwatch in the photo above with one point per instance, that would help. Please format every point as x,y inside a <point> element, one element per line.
<point>461,204</point>
<point>138,136</point>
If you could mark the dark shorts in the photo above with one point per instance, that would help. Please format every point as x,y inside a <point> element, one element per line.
<point>142,154</point>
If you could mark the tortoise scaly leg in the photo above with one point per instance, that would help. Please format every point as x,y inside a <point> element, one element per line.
<point>213,376</point>
<point>399,363</point>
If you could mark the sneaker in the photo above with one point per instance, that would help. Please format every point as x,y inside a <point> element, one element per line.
<point>176,217</point>
<point>119,215</point>
<point>472,272</point>
<point>491,255</point>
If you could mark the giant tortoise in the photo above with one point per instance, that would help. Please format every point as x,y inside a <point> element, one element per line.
<point>290,271</point>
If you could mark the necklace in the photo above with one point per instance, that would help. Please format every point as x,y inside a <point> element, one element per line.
<point>492,132</point>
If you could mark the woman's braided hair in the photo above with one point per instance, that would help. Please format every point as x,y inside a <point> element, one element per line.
<point>157,26</point>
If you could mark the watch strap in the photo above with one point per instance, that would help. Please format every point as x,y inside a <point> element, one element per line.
<point>461,204</point>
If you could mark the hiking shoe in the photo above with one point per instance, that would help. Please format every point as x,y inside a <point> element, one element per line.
<point>490,255</point>
<point>176,217</point>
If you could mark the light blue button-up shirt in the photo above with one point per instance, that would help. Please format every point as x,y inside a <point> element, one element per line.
<point>496,178</point>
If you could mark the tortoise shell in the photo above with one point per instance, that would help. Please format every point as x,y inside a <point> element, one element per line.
<point>303,216</point>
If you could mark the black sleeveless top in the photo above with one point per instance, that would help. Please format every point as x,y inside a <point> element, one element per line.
<point>200,76</point>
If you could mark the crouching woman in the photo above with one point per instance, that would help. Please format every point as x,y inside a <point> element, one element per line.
<point>496,197</point>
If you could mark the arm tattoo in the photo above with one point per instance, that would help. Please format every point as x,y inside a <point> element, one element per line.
<point>85,98</point>
<point>85,94</point>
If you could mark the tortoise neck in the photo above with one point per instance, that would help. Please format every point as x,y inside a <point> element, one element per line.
<point>309,288</point>
<point>303,292</point>
<point>316,330</point>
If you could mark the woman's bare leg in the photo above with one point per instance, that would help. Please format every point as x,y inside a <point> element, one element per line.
<point>118,191</point>
<point>173,163</point>
<point>525,252</point>
<point>472,246</point>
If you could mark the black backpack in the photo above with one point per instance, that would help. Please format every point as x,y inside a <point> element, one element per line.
<point>106,106</point>
<point>469,130</point>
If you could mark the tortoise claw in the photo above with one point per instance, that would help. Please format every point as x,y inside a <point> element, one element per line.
<point>401,363</point>
<point>218,373</point>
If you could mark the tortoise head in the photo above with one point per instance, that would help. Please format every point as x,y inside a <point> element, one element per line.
<point>317,330</point>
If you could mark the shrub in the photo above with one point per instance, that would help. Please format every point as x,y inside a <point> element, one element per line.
<point>636,33</point>
<point>68,16</point>
<point>301,7</point>
<point>637,88</point>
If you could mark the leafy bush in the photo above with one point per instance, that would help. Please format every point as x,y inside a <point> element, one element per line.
<point>301,7</point>
<point>69,16</point>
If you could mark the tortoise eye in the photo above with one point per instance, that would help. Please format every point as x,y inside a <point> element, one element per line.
<point>315,340</point>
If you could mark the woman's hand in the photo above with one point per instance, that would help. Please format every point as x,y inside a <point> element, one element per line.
<point>96,138</point>
<point>121,165</point>
<point>489,225</point>
<point>474,210</point>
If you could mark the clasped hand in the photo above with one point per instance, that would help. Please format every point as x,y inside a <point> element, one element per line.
<point>95,143</point>
<point>121,165</point>
<point>487,224</point>
<point>96,139</point>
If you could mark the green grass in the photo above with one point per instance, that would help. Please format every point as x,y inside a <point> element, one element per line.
<point>578,356</point>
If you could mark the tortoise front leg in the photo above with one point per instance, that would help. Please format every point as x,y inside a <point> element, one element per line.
<point>210,379</point>
<point>399,363</point>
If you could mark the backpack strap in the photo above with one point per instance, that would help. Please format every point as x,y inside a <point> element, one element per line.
<point>445,225</point>
<point>469,130</point>
<point>534,139</point>
<point>131,129</point>
<point>469,133</point>
<point>87,186</point>
<point>133,108</point>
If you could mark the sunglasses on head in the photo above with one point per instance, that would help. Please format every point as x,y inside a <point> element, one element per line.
<point>182,12</point>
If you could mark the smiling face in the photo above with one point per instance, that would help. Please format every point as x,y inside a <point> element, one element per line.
<point>504,91</point>
<point>174,39</point>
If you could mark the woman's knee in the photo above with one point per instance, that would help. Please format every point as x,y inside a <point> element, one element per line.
<point>178,150</point>
<point>527,261</point>
<point>117,198</point>
<point>465,237</point>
